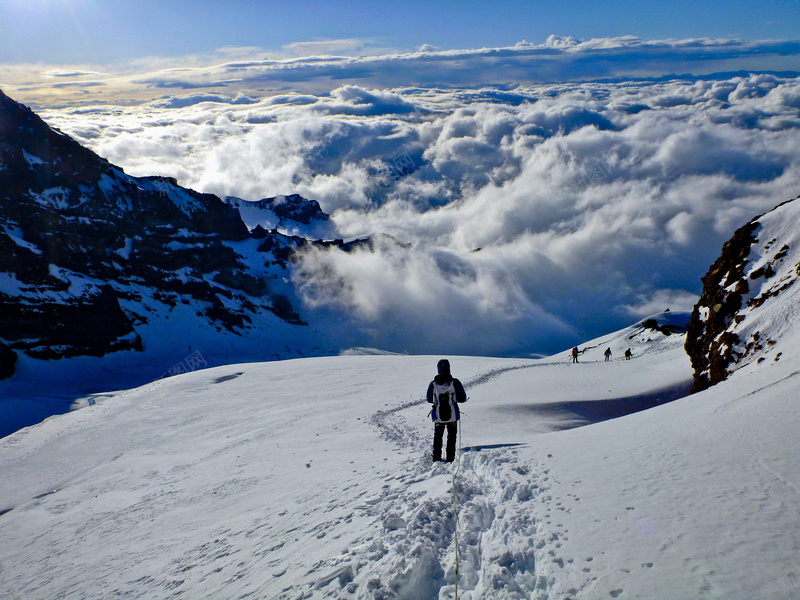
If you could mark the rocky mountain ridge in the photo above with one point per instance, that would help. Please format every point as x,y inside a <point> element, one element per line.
<point>91,257</point>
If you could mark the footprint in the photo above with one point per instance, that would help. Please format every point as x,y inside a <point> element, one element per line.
<point>615,593</point>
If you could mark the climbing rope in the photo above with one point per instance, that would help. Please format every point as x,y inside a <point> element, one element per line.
<point>455,509</point>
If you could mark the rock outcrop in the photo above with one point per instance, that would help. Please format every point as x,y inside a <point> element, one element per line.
<point>753,274</point>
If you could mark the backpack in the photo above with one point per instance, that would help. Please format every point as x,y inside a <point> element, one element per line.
<point>444,402</point>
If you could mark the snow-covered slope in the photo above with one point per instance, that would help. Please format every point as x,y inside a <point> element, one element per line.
<point>310,478</point>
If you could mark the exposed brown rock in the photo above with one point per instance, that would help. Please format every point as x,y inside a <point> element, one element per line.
<point>709,343</point>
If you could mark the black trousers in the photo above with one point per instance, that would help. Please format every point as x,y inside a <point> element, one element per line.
<point>438,435</point>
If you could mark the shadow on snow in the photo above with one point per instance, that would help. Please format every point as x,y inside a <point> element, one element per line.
<point>578,413</point>
<point>488,447</point>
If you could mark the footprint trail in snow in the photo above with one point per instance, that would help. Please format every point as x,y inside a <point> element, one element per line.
<point>498,537</point>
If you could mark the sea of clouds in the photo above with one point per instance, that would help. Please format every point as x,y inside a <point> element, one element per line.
<point>506,219</point>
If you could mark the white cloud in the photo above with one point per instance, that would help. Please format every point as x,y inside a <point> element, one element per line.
<point>426,299</point>
<point>319,66</point>
<point>69,73</point>
<point>326,47</point>
<point>530,218</point>
<point>666,299</point>
<point>557,41</point>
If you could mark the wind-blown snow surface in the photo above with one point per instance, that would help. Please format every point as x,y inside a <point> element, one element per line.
<point>309,478</point>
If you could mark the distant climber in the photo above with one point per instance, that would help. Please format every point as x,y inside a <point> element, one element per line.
<point>607,354</point>
<point>575,354</point>
<point>628,354</point>
<point>445,393</point>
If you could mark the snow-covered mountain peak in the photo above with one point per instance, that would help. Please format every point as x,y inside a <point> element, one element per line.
<point>291,214</point>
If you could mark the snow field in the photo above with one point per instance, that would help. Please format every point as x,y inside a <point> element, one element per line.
<point>261,480</point>
<point>311,479</point>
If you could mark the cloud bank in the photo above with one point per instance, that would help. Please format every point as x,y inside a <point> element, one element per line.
<point>321,66</point>
<point>558,60</point>
<point>505,220</point>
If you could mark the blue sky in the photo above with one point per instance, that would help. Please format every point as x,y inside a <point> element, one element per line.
<point>108,31</point>
<point>58,53</point>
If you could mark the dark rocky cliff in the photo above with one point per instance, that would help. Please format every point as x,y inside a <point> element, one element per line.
<point>726,330</point>
<point>90,255</point>
<point>709,342</point>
